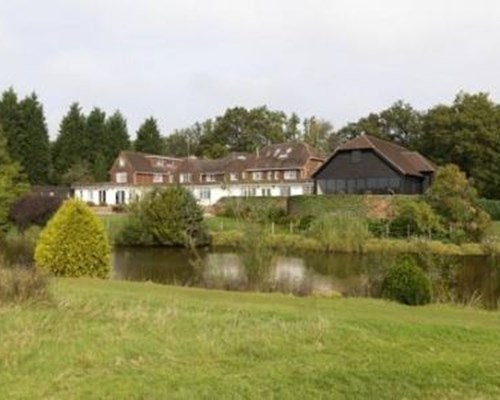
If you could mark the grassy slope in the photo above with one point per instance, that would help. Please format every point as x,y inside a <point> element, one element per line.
<point>131,340</point>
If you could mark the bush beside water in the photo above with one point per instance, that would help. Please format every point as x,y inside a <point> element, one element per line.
<point>406,283</point>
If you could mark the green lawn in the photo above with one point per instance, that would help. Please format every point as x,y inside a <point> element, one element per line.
<point>130,340</point>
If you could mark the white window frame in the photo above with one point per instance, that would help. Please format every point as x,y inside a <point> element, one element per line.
<point>185,177</point>
<point>290,175</point>
<point>209,177</point>
<point>157,178</point>
<point>257,175</point>
<point>233,176</point>
<point>121,177</point>
<point>205,194</point>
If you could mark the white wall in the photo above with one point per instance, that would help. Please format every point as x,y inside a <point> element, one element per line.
<point>212,193</point>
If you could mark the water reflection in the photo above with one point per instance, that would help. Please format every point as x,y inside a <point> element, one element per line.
<point>458,279</point>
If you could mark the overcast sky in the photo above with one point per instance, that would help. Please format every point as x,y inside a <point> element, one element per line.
<point>188,60</point>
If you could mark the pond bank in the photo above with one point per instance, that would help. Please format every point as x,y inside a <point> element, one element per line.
<point>297,242</point>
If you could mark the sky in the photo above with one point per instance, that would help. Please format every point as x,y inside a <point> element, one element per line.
<point>183,61</point>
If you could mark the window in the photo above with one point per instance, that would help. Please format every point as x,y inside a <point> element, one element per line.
<point>102,197</point>
<point>265,192</point>
<point>351,185</point>
<point>157,178</point>
<point>160,163</point>
<point>290,175</point>
<point>257,176</point>
<point>121,162</point>
<point>284,191</point>
<point>307,189</point>
<point>170,178</point>
<point>185,178</point>
<point>209,178</point>
<point>276,175</point>
<point>340,185</point>
<point>121,177</point>
<point>356,156</point>
<point>233,176</point>
<point>120,197</point>
<point>270,176</point>
<point>205,194</point>
<point>394,183</point>
<point>248,192</point>
<point>360,185</point>
<point>243,175</point>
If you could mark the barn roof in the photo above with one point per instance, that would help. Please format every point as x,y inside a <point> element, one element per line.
<point>405,161</point>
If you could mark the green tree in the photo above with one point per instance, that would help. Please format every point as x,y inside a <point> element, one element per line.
<point>239,129</point>
<point>184,142</point>
<point>400,123</point>
<point>70,146</point>
<point>168,217</point>
<point>13,182</point>
<point>467,133</point>
<point>10,119</point>
<point>317,133</point>
<point>74,243</point>
<point>117,137</point>
<point>292,130</point>
<point>96,142</point>
<point>148,138</point>
<point>455,199</point>
<point>34,153</point>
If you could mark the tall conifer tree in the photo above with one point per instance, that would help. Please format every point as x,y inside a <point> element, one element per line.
<point>70,147</point>
<point>148,138</point>
<point>34,154</point>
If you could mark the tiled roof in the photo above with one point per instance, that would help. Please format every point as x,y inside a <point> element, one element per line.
<point>142,162</point>
<point>406,161</point>
<point>275,156</point>
<point>282,156</point>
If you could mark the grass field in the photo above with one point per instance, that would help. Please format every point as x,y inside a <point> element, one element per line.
<point>130,340</point>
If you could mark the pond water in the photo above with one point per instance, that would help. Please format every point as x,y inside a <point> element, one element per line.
<point>459,279</point>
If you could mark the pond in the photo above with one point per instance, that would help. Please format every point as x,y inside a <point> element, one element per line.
<point>466,280</point>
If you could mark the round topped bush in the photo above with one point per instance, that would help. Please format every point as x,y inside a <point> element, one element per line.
<point>74,243</point>
<point>406,283</point>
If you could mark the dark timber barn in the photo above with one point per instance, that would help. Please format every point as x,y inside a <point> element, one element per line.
<point>368,164</point>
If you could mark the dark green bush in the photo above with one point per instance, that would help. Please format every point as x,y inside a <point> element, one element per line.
<point>406,283</point>
<point>166,217</point>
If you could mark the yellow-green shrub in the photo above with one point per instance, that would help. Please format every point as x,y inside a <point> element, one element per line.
<point>74,243</point>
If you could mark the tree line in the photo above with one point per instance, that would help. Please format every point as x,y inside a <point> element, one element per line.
<point>465,132</point>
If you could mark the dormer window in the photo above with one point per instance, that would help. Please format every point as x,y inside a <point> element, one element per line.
<point>290,175</point>
<point>257,176</point>
<point>185,178</point>
<point>121,177</point>
<point>157,178</point>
